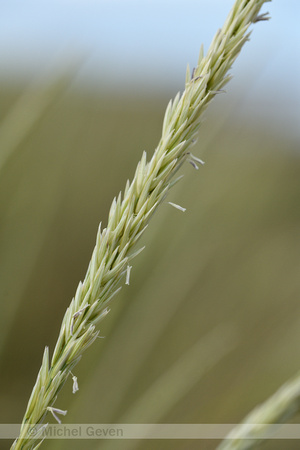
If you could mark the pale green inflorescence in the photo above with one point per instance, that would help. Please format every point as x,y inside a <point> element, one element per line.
<point>130,214</point>
<point>263,421</point>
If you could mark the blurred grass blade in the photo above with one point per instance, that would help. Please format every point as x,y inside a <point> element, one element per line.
<point>178,380</point>
<point>29,109</point>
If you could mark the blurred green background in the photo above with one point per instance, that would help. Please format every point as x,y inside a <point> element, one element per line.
<point>209,326</point>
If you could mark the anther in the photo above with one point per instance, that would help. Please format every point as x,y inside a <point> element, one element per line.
<point>128,274</point>
<point>177,206</point>
<point>75,315</point>
<point>55,411</point>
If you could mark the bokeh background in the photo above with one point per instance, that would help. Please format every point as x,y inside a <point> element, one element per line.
<point>209,326</point>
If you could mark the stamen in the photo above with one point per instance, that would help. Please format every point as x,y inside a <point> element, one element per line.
<point>195,159</point>
<point>55,411</point>
<point>75,315</point>
<point>193,164</point>
<point>128,274</point>
<point>75,383</point>
<point>177,206</point>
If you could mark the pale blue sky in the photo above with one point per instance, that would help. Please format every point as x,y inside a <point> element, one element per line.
<point>149,42</point>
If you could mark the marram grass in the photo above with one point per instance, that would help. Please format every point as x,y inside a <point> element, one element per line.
<point>130,213</point>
